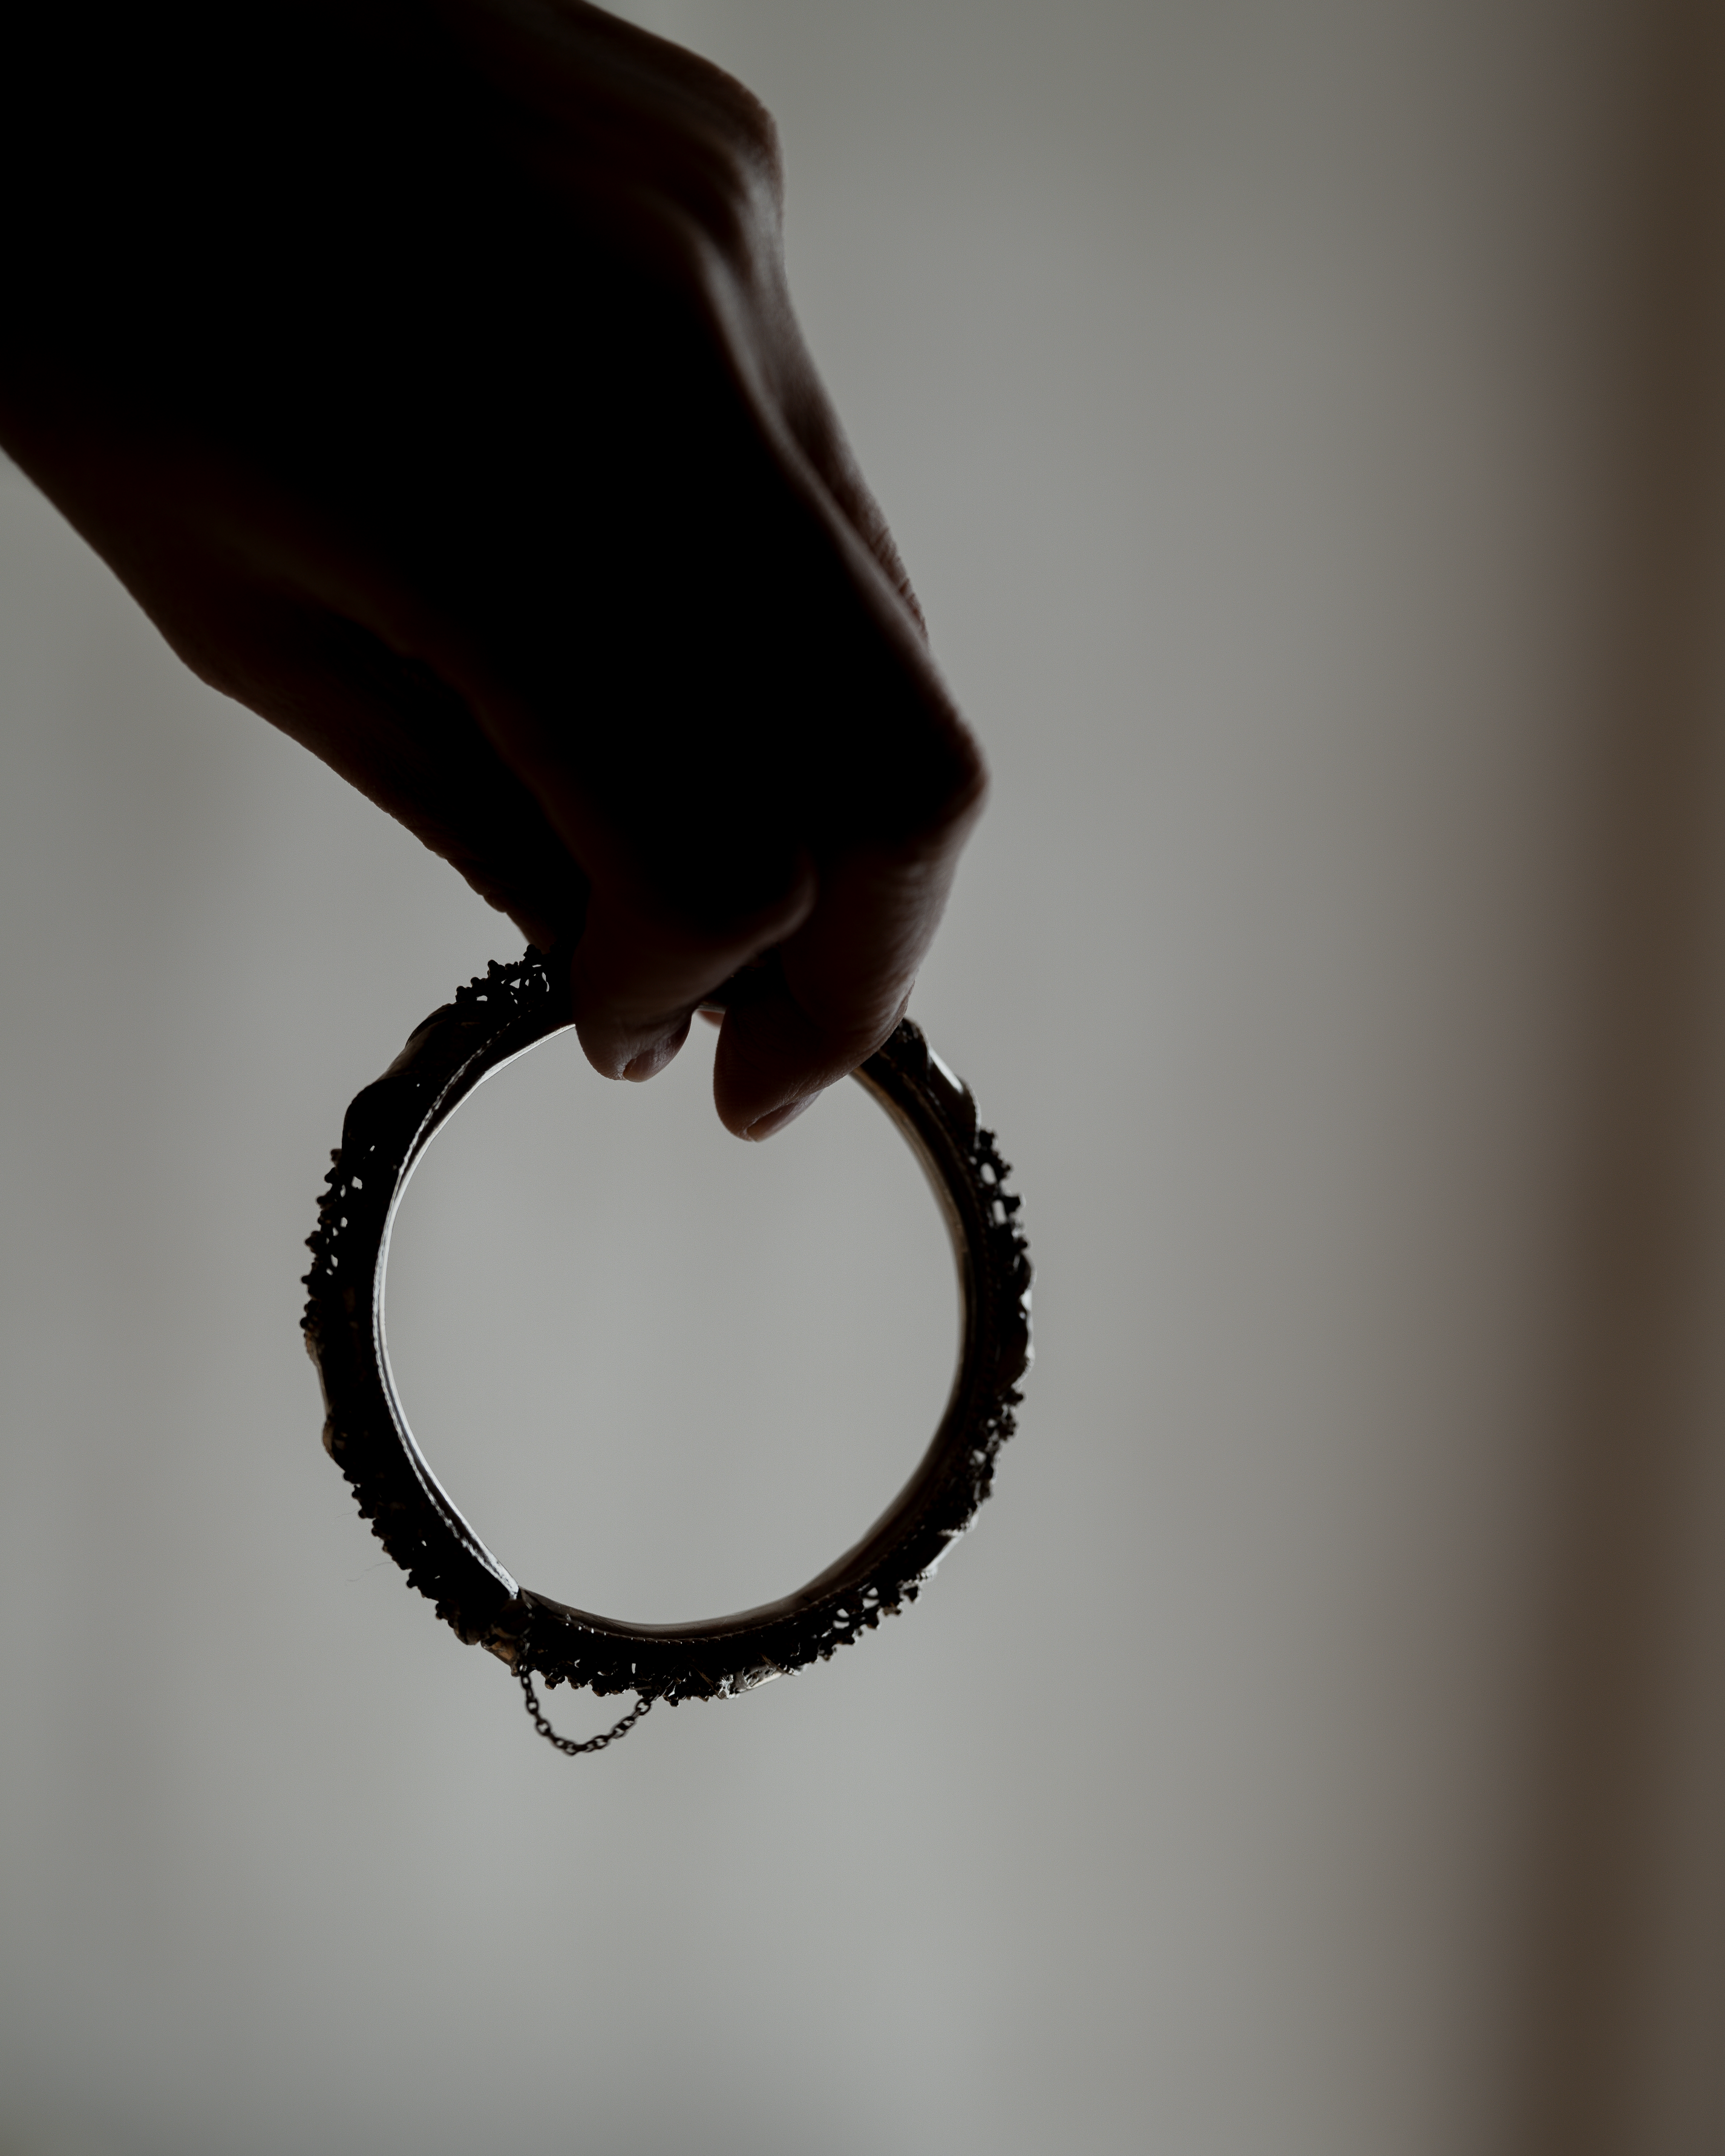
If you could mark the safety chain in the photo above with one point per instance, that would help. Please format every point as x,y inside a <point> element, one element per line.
<point>567,1744</point>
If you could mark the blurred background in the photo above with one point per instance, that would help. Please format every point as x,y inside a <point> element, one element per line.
<point>1301,421</point>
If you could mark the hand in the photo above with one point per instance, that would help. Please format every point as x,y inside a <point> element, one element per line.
<point>426,369</point>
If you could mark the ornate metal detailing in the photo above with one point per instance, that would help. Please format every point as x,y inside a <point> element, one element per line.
<point>388,1125</point>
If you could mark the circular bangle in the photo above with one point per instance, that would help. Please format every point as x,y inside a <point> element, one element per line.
<point>388,1125</point>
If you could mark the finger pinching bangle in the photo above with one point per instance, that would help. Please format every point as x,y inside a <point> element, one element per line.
<point>389,1125</point>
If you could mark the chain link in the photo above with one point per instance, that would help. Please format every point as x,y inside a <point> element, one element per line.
<point>568,1744</point>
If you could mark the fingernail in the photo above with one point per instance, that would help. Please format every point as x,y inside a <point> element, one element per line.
<point>764,1127</point>
<point>650,1062</point>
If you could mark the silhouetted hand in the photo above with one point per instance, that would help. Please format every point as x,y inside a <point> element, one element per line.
<point>425,368</point>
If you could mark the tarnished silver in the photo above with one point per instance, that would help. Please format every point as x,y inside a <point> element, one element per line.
<point>389,1125</point>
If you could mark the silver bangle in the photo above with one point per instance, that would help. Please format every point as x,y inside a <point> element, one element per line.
<point>388,1125</point>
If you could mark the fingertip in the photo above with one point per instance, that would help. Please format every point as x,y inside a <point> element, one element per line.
<point>773,1061</point>
<point>650,1062</point>
<point>769,1125</point>
<point>636,978</point>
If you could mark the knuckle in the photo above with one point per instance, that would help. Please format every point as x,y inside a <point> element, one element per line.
<point>966,787</point>
<point>719,177</point>
<point>755,132</point>
<point>943,786</point>
<point>739,127</point>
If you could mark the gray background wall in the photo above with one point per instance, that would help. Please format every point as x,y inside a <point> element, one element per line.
<point>1296,417</point>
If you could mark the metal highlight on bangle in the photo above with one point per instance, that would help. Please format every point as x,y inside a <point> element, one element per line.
<point>388,1125</point>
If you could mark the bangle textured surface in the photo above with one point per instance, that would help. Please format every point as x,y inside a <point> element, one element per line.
<point>388,1125</point>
